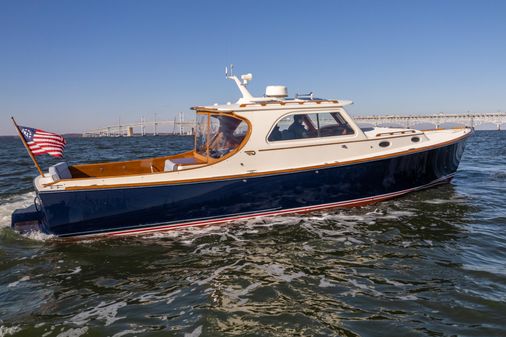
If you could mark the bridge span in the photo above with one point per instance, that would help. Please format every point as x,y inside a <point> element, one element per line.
<point>180,126</point>
<point>176,126</point>
<point>471,120</point>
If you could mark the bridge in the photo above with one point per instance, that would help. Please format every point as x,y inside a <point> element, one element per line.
<point>176,126</point>
<point>180,126</point>
<point>471,120</point>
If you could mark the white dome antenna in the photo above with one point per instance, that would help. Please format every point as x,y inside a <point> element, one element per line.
<point>276,91</point>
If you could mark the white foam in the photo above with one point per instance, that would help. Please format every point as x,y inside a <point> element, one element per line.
<point>72,272</point>
<point>363,287</point>
<point>38,236</point>
<point>408,298</point>
<point>234,295</point>
<point>12,203</point>
<point>15,283</point>
<point>6,331</point>
<point>73,332</point>
<point>128,332</point>
<point>324,283</point>
<point>376,212</point>
<point>49,332</point>
<point>149,298</point>
<point>398,214</point>
<point>235,229</point>
<point>103,311</point>
<point>194,333</point>
<point>437,201</point>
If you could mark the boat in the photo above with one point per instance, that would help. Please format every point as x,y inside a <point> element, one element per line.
<point>260,156</point>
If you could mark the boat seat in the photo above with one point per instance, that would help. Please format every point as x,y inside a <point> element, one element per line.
<point>170,166</point>
<point>60,171</point>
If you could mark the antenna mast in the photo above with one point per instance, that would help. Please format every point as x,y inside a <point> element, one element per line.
<point>246,78</point>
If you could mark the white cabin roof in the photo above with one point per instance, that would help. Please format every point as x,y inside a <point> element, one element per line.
<point>278,104</point>
<point>275,98</point>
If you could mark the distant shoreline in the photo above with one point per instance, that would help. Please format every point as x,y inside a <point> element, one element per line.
<point>78,135</point>
<point>66,135</point>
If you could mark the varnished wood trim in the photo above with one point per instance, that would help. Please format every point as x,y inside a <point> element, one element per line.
<point>440,129</point>
<point>256,174</point>
<point>243,105</point>
<point>395,132</point>
<point>204,109</point>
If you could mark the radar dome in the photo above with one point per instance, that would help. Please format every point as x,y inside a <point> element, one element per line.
<point>277,91</point>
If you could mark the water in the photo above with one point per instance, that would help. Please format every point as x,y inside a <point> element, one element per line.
<point>427,264</point>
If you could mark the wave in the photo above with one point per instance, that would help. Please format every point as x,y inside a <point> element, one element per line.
<point>11,203</point>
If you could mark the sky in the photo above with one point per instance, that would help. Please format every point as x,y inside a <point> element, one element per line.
<point>68,66</point>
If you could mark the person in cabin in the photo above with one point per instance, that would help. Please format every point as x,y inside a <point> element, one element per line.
<point>275,134</point>
<point>297,128</point>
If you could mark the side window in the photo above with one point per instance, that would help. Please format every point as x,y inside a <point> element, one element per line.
<point>298,126</point>
<point>295,127</point>
<point>333,124</point>
<point>241,130</point>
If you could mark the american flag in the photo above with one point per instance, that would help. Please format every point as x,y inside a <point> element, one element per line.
<point>41,142</point>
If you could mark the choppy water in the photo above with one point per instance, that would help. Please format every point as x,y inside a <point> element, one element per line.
<point>432,263</point>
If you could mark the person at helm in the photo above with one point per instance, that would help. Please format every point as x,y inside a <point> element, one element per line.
<point>297,128</point>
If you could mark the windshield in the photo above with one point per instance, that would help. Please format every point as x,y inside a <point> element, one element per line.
<point>217,135</point>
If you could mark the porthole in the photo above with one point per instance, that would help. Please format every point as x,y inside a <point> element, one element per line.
<point>415,139</point>
<point>384,144</point>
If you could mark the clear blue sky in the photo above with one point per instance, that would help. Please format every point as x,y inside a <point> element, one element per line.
<point>66,66</point>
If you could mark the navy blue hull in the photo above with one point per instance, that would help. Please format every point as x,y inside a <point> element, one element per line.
<point>74,213</point>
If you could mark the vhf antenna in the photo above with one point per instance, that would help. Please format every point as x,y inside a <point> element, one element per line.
<point>231,73</point>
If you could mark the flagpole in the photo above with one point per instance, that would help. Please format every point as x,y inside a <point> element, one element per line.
<point>27,147</point>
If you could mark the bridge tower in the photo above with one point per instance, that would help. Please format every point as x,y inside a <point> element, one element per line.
<point>155,125</point>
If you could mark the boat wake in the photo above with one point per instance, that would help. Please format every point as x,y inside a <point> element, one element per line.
<point>11,203</point>
<point>314,223</point>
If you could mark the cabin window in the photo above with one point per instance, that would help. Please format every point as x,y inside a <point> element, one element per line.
<point>333,124</point>
<point>415,139</point>
<point>295,127</point>
<point>312,125</point>
<point>201,134</point>
<point>384,144</point>
<point>217,135</point>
